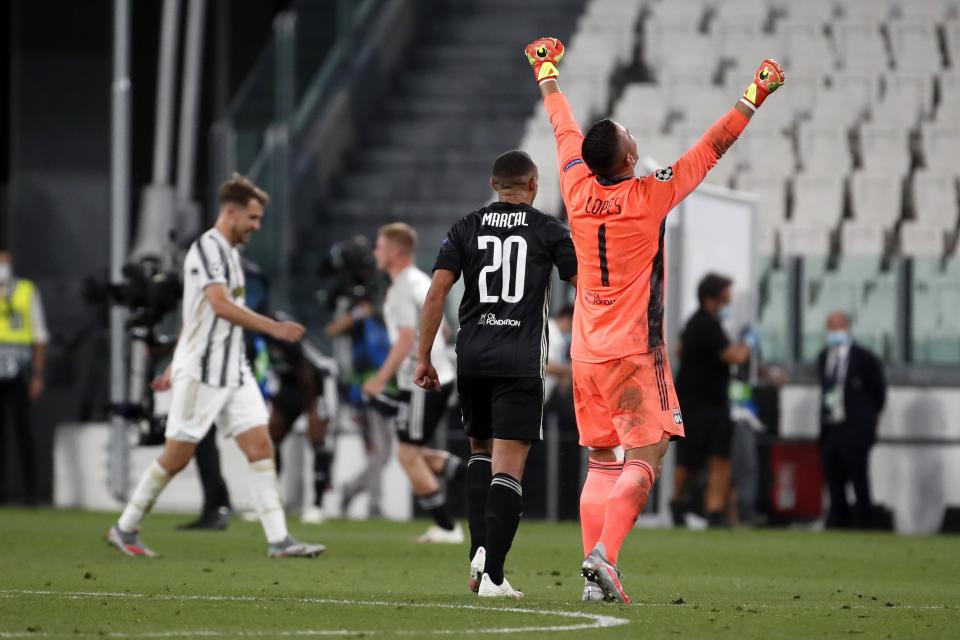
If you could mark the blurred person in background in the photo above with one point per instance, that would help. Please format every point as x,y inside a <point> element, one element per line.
<point>559,377</point>
<point>363,327</point>
<point>853,393</point>
<point>418,412</point>
<point>211,380</point>
<point>23,346</point>
<point>703,387</point>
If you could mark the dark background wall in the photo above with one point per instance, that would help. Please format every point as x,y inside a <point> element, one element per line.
<point>54,166</point>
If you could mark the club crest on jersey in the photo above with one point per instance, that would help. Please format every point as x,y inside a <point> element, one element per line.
<point>677,417</point>
<point>664,175</point>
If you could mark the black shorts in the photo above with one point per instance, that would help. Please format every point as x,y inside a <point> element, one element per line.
<point>419,413</point>
<point>503,408</point>
<point>709,433</point>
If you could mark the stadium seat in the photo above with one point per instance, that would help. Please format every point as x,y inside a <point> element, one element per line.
<point>876,199</point>
<point>808,50</point>
<point>915,46</point>
<point>935,199</point>
<point>642,107</point>
<point>818,200</point>
<point>919,239</point>
<point>864,11</point>
<point>672,49</point>
<point>907,98</point>
<point>862,239</point>
<point>948,87</point>
<point>825,150</point>
<point>771,208</point>
<point>834,108</point>
<point>941,147</point>
<point>885,149</point>
<point>861,48</point>
<point>768,151</point>
<point>815,12</point>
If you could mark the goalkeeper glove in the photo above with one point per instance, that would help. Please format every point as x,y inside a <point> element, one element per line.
<point>544,56</point>
<point>768,78</point>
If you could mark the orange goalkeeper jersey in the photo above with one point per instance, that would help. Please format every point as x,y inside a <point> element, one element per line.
<point>618,232</point>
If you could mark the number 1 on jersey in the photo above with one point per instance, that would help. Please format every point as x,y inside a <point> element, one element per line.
<point>502,254</point>
<point>602,244</point>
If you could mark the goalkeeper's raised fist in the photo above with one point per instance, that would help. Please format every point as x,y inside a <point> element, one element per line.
<point>768,78</point>
<point>544,56</point>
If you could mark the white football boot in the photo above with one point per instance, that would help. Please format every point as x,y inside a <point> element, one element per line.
<point>591,592</point>
<point>438,535</point>
<point>476,568</point>
<point>490,590</point>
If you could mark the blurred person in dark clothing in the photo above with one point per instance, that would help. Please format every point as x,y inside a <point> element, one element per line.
<point>363,328</point>
<point>23,345</point>
<point>703,382</point>
<point>853,393</point>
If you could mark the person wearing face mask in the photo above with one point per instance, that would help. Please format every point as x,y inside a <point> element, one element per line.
<point>703,381</point>
<point>853,392</point>
<point>23,343</point>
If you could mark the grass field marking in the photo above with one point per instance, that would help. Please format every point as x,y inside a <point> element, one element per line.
<point>595,621</point>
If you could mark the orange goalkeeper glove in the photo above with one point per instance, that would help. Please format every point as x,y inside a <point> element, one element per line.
<point>544,56</point>
<point>768,78</point>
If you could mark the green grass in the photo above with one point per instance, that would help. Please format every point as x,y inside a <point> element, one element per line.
<point>58,578</point>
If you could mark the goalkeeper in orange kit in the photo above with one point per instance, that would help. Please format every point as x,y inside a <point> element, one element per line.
<point>622,386</point>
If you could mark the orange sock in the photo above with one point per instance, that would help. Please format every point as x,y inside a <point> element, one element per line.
<point>625,503</point>
<point>601,477</point>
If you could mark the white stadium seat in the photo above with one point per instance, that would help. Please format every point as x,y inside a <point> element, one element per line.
<point>876,199</point>
<point>885,149</point>
<point>935,199</point>
<point>825,150</point>
<point>860,47</point>
<point>818,200</point>
<point>941,147</point>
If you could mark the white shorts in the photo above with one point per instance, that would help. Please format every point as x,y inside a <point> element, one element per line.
<point>195,406</point>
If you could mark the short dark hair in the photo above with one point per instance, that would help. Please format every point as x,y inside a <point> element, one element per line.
<point>513,169</point>
<point>239,190</point>
<point>601,147</point>
<point>712,286</point>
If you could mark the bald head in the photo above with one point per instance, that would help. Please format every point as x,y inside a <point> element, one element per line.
<point>838,321</point>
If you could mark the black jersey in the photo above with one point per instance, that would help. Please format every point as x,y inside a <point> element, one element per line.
<point>506,253</point>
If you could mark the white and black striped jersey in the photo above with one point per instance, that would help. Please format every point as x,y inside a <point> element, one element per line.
<point>506,253</point>
<point>210,349</point>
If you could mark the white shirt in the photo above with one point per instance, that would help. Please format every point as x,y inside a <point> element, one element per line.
<point>838,360</point>
<point>211,349</point>
<point>401,309</point>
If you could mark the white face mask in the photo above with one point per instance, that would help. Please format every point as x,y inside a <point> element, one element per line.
<point>5,272</point>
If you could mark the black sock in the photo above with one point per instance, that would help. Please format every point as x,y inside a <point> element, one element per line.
<point>322,461</point>
<point>478,484</point>
<point>504,507</point>
<point>436,505</point>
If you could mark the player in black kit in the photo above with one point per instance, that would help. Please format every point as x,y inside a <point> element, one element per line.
<point>506,252</point>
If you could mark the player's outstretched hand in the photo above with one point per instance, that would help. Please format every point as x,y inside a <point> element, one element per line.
<point>288,331</point>
<point>768,78</point>
<point>544,55</point>
<point>425,376</point>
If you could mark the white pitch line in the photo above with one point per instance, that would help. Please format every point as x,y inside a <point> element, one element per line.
<point>594,621</point>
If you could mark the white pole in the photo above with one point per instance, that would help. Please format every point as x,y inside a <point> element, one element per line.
<point>119,231</point>
<point>190,100</point>
<point>163,134</point>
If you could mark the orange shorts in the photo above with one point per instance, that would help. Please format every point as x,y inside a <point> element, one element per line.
<point>629,402</point>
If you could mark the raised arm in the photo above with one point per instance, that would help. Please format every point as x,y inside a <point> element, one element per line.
<point>544,55</point>
<point>672,184</point>
<point>425,375</point>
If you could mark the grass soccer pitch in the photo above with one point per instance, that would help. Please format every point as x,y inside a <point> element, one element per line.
<point>59,579</point>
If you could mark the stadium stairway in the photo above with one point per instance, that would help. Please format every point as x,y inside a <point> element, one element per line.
<point>462,99</point>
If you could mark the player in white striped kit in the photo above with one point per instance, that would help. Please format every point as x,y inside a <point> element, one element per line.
<point>211,380</point>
